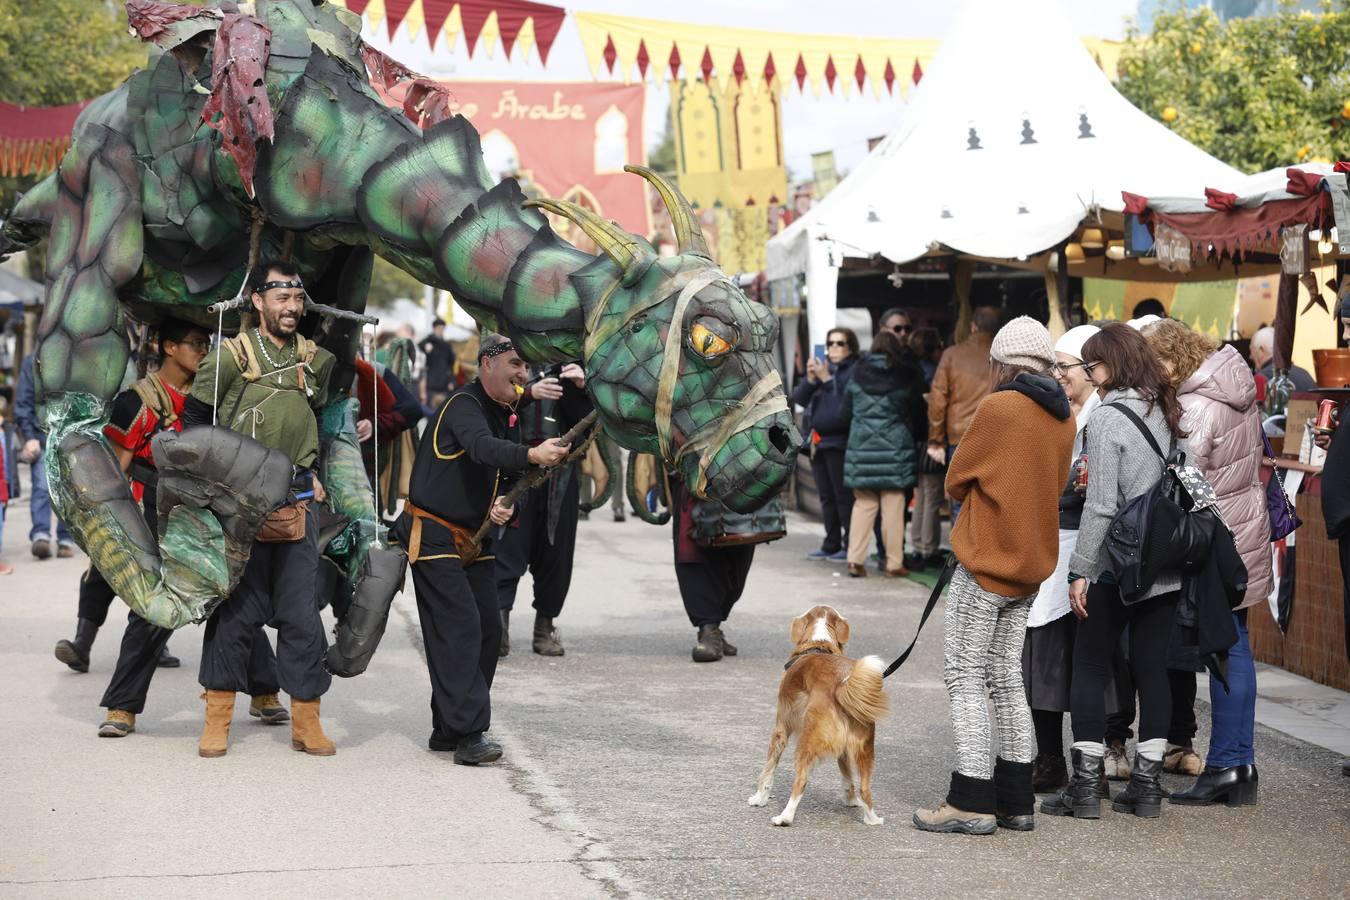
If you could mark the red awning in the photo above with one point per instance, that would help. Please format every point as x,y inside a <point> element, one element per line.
<point>34,138</point>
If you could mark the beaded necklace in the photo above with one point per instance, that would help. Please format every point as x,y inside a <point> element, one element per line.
<point>275,364</point>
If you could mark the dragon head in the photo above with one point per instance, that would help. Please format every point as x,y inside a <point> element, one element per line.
<point>678,360</point>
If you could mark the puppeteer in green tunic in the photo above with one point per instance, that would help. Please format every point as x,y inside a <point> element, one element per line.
<point>268,392</point>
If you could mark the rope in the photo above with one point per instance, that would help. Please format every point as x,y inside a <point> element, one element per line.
<point>670,362</point>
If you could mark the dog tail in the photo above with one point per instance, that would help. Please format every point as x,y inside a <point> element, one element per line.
<point>861,694</point>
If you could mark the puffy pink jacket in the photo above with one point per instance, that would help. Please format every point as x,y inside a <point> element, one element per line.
<point>1224,427</point>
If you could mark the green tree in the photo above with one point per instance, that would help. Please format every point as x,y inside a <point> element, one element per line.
<point>58,52</point>
<point>1256,92</point>
<point>388,283</point>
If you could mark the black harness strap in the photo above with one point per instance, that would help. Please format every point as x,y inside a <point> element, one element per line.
<point>943,580</point>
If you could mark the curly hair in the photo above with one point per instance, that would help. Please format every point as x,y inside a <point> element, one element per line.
<point>1179,349</point>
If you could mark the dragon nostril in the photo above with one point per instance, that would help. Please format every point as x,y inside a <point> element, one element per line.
<point>779,438</point>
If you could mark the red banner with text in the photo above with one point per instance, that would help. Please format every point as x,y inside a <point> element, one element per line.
<point>564,140</point>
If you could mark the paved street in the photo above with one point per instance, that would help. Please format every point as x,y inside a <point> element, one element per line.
<point>626,771</point>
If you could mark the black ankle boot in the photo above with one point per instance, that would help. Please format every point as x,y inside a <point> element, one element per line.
<point>1049,774</point>
<point>1144,795</point>
<point>1016,803</point>
<point>1080,798</point>
<point>709,647</point>
<point>76,653</point>
<point>1234,785</point>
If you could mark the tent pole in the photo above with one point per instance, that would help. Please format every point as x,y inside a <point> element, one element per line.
<point>961,273</point>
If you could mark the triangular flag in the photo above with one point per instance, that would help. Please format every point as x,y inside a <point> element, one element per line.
<point>436,12</point>
<point>474,15</point>
<point>396,10</point>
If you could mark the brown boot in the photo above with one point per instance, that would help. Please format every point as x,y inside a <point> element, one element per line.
<point>216,734</point>
<point>306,732</point>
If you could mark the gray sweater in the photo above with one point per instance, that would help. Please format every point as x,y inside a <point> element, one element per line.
<point>1121,466</point>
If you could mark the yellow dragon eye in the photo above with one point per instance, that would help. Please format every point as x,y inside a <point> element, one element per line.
<point>706,343</point>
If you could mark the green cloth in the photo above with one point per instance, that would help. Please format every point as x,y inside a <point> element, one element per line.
<point>880,407</point>
<point>274,410</point>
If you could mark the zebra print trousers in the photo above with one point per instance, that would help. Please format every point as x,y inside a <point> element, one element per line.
<point>982,645</point>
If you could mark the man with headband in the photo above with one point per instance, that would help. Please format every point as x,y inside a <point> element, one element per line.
<point>466,460</point>
<point>268,382</point>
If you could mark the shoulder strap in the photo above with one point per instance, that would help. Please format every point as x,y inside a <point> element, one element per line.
<point>242,349</point>
<point>156,398</point>
<point>1143,429</point>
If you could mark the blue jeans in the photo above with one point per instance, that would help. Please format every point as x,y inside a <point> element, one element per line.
<point>1230,744</point>
<point>40,504</point>
<point>956,505</point>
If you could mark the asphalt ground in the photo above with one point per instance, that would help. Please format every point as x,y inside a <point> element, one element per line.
<point>626,772</point>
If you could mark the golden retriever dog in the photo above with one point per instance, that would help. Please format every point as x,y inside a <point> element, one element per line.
<point>832,704</point>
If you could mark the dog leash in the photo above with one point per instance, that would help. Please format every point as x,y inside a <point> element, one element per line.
<point>943,580</point>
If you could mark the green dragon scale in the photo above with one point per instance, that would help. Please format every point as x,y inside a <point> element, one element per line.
<point>261,122</point>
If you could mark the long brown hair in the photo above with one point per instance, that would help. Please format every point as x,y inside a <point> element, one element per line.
<point>1181,350</point>
<point>1134,365</point>
<point>888,344</point>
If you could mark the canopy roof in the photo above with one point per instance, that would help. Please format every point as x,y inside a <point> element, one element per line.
<point>1012,139</point>
<point>1248,220</point>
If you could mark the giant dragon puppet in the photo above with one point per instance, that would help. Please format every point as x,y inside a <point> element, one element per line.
<point>258,129</point>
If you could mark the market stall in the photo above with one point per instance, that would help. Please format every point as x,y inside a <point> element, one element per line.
<point>1011,167</point>
<point>1299,219</point>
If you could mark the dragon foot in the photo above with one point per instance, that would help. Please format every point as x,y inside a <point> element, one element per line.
<point>359,632</point>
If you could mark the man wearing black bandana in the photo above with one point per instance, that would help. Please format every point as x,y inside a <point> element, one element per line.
<point>464,465</point>
<point>268,383</point>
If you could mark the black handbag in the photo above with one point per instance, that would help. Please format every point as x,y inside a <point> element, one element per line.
<point>1168,527</point>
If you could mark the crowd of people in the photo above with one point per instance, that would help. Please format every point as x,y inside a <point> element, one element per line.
<point>485,425</point>
<point>1036,447</point>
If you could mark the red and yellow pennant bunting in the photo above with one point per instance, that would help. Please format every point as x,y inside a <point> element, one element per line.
<point>518,24</point>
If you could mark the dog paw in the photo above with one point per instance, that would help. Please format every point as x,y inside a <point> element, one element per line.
<point>871,818</point>
<point>852,800</point>
<point>782,820</point>
<point>758,799</point>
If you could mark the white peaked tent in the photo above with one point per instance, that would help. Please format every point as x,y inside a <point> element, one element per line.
<point>1013,138</point>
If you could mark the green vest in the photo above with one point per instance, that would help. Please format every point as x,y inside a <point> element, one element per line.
<point>269,393</point>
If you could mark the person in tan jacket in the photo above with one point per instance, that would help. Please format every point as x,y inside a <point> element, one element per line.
<point>962,380</point>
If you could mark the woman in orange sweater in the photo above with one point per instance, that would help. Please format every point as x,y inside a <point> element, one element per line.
<point>1008,472</point>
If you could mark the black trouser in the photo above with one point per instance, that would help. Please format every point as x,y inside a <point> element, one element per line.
<point>710,589</point>
<point>277,589</point>
<point>96,596</point>
<point>139,657</point>
<point>462,631</point>
<point>836,501</point>
<point>1181,726</point>
<point>526,545</point>
<point>1150,623</point>
<point>142,644</point>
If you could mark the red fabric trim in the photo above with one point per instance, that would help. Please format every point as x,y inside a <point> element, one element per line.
<point>1135,204</point>
<point>1302,183</point>
<point>1341,167</point>
<point>365,387</point>
<point>1220,200</point>
<point>1243,230</point>
<point>48,123</point>
<point>917,75</point>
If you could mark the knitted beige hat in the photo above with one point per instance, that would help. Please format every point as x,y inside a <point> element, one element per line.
<point>1024,342</point>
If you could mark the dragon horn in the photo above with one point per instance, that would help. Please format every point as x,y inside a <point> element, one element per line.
<point>625,249</point>
<point>688,235</point>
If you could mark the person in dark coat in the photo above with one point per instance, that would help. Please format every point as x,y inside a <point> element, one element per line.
<point>822,394</point>
<point>883,408</point>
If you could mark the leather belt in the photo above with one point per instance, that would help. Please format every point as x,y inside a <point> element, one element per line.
<point>464,542</point>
